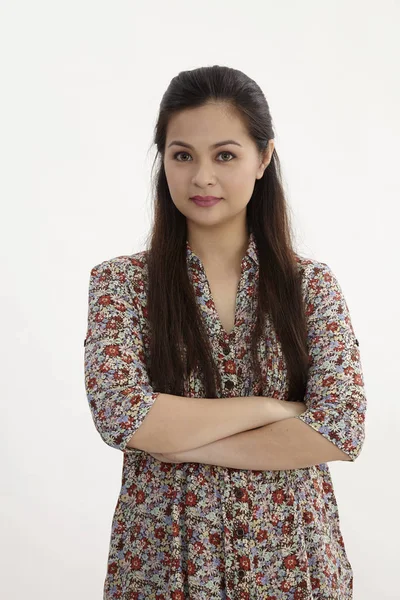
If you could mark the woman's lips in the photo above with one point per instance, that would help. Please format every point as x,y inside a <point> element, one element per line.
<point>203,202</point>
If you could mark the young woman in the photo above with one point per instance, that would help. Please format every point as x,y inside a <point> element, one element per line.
<point>225,367</point>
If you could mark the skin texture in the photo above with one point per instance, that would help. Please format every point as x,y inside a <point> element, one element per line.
<point>217,234</point>
<point>286,444</point>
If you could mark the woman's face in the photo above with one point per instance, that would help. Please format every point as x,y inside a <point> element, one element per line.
<point>228,171</point>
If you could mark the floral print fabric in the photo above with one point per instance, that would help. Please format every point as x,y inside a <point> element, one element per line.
<point>205,532</point>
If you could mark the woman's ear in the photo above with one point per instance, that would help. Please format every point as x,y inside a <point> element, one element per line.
<point>265,158</point>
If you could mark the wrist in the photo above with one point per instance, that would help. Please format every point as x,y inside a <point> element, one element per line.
<point>278,410</point>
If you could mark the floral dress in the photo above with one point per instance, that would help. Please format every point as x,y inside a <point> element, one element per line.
<point>205,532</point>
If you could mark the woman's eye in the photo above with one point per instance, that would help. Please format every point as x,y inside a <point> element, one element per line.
<point>223,152</point>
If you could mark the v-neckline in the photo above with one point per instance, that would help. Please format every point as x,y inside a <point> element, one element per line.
<point>214,308</point>
<point>251,255</point>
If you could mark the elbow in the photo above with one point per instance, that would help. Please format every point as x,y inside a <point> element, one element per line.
<point>114,436</point>
<point>110,439</point>
<point>119,418</point>
<point>135,441</point>
<point>344,431</point>
<point>353,446</point>
<point>123,440</point>
<point>354,453</point>
<point>142,441</point>
<point>351,449</point>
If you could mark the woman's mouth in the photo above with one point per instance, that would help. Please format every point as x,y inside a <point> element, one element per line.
<point>205,201</point>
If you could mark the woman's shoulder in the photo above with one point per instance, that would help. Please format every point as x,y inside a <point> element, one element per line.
<point>132,266</point>
<point>308,265</point>
<point>315,274</point>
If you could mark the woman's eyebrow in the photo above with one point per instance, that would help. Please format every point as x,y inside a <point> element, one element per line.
<point>179,143</point>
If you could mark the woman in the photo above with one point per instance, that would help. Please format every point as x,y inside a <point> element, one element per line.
<point>225,366</point>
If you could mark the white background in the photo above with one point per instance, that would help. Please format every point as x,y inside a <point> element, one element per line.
<point>81,84</point>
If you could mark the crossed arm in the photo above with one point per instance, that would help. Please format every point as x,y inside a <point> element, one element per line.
<point>119,391</point>
<point>285,444</point>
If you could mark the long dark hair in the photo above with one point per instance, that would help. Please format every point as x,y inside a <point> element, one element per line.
<point>178,341</point>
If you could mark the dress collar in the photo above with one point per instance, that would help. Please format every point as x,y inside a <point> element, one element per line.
<point>251,252</point>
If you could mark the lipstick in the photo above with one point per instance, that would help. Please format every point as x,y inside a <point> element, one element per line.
<point>205,201</point>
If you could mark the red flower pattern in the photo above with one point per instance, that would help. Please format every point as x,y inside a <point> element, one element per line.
<point>205,531</point>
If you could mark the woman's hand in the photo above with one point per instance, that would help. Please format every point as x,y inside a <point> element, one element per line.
<point>278,410</point>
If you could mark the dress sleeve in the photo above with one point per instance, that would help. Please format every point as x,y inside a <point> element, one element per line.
<point>335,394</point>
<point>116,381</point>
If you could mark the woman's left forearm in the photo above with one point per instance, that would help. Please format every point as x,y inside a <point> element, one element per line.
<point>287,444</point>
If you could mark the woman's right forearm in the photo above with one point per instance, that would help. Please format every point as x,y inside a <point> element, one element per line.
<point>177,423</point>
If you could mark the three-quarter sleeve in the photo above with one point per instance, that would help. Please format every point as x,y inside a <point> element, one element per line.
<point>335,394</point>
<point>116,381</point>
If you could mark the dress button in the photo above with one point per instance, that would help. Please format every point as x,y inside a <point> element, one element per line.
<point>240,532</point>
<point>238,493</point>
<point>226,350</point>
<point>241,573</point>
<point>229,384</point>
